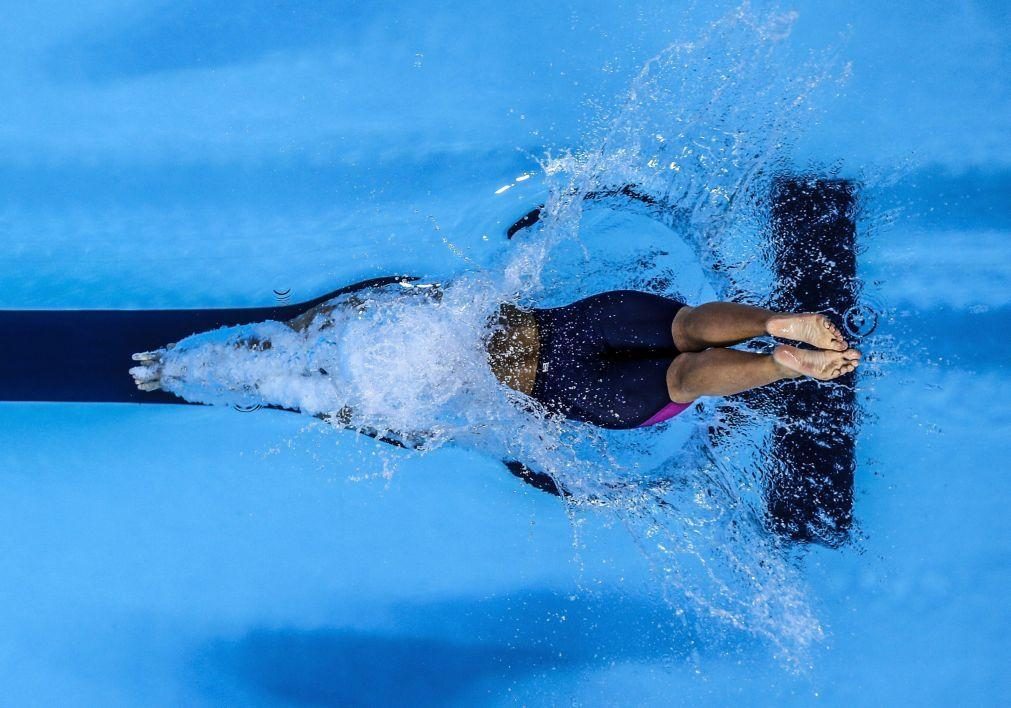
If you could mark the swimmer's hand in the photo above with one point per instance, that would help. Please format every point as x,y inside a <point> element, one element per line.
<point>147,373</point>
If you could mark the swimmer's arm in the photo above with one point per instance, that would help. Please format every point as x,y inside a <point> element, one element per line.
<point>147,374</point>
<point>302,322</point>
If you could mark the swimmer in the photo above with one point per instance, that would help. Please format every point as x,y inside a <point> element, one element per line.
<point>628,359</point>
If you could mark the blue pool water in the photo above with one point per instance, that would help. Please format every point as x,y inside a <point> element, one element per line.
<point>201,154</point>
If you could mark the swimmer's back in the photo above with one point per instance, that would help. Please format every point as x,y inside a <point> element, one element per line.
<point>514,348</point>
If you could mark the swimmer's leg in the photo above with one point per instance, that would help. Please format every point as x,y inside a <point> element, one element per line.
<point>724,372</point>
<point>723,324</point>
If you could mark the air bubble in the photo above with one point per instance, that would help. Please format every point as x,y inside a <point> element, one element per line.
<point>860,320</point>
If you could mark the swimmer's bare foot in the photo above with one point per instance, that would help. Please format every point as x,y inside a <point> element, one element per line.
<point>819,364</point>
<point>808,327</point>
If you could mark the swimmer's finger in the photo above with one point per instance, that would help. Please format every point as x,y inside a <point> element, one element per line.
<point>145,379</point>
<point>146,356</point>
<point>145,373</point>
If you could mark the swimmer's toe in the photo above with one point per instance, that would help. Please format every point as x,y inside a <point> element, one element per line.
<point>820,364</point>
<point>836,341</point>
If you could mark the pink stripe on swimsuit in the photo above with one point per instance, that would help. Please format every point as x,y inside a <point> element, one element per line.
<point>666,413</point>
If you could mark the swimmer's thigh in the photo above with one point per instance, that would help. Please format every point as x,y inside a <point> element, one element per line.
<point>622,393</point>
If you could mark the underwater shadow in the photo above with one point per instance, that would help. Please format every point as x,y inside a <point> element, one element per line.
<point>432,653</point>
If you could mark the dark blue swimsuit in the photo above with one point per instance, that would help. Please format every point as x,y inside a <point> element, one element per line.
<point>603,360</point>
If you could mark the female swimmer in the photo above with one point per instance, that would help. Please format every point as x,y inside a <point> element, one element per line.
<point>627,359</point>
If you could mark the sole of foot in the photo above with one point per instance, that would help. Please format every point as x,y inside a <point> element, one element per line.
<point>819,364</point>
<point>808,327</point>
